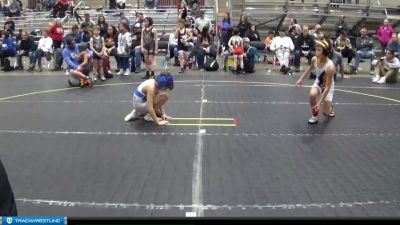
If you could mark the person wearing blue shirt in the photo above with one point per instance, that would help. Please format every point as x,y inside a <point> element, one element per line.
<point>76,72</point>
<point>394,45</point>
<point>8,48</point>
<point>249,56</point>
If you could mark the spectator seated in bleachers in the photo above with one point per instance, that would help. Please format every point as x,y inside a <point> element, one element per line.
<point>173,48</point>
<point>195,11</point>
<point>387,68</point>
<point>343,45</point>
<point>7,49</point>
<point>317,33</point>
<point>341,26</point>
<point>44,49</point>
<point>121,4</point>
<point>204,47</point>
<point>394,44</point>
<point>60,8</point>
<point>9,25</point>
<point>253,34</point>
<point>202,22</point>
<point>282,45</point>
<point>364,46</point>
<point>249,57</point>
<point>26,48</point>
<point>267,42</point>
<point>244,26</point>
<point>304,46</point>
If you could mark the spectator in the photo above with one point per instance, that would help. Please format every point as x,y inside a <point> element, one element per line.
<point>336,58</point>
<point>341,26</point>
<point>223,28</point>
<point>364,46</point>
<point>244,26</point>
<point>110,42</point>
<point>9,25</point>
<point>101,22</point>
<point>305,46</point>
<point>294,26</point>
<point>5,7</point>
<point>85,32</point>
<point>77,74</point>
<point>195,11</point>
<point>204,47</point>
<point>267,42</point>
<point>236,48</point>
<point>173,48</point>
<point>75,34</point>
<point>282,46</point>
<point>394,45</point>
<point>150,4</point>
<point>97,45</point>
<point>343,45</point>
<point>123,18</point>
<point>26,48</point>
<point>149,46</point>
<point>121,4</point>
<point>123,49</point>
<point>8,48</point>
<point>184,36</point>
<point>112,4</point>
<point>253,34</point>
<point>43,49</point>
<point>387,68</point>
<point>384,34</point>
<point>249,56</point>
<point>225,52</point>
<point>8,206</point>
<point>202,22</point>
<point>60,8</point>
<point>88,20</point>
<point>136,30</point>
<point>56,32</point>
<point>317,33</point>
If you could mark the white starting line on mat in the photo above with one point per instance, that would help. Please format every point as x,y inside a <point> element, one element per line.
<point>204,101</point>
<point>203,207</point>
<point>202,132</point>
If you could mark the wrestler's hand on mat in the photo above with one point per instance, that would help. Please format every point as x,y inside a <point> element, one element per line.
<point>299,83</point>
<point>166,117</point>
<point>162,122</point>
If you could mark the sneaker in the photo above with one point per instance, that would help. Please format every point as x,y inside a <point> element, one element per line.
<point>313,120</point>
<point>31,68</point>
<point>102,78</point>
<point>297,69</point>
<point>40,69</point>
<point>147,117</point>
<point>152,74</point>
<point>382,80</point>
<point>375,79</point>
<point>137,70</point>
<point>109,72</point>
<point>182,70</point>
<point>120,72</point>
<point>95,78</point>
<point>127,73</point>
<point>356,71</point>
<point>147,76</point>
<point>372,72</point>
<point>131,116</point>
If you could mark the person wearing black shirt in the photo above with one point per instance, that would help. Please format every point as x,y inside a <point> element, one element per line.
<point>341,26</point>
<point>26,48</point>
<point>244,26</point>
<point>304,46</point>
<point>7,201</point>
<point>253,34</point>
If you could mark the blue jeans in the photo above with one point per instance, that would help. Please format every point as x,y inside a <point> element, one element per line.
<point>19,58</point>
<point>138,57</point>
<point>364,55</point>
<point>37,57</point>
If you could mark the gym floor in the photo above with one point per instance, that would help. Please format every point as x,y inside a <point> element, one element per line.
<point>239,146</point>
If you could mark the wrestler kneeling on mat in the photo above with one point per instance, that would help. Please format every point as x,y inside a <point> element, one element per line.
<point>324,70</point>
<point>149,99</point>
<point>78,63</point>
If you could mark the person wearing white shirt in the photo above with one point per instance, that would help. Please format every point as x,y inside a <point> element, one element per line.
<point>202,22</point>
<point>123,49</point>
<point>44,49</point>
<point>282,46</point>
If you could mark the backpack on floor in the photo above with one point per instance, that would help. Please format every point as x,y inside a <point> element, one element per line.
<point>211,64</point>
<point>7,65</point>
<point>348,69</point>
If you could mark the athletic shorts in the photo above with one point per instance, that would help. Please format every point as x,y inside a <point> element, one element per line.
<point>139,105</point>
<point>238,51</point>
<point>329,96</point>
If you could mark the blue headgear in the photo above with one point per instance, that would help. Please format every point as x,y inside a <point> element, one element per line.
<point>165,80</point>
